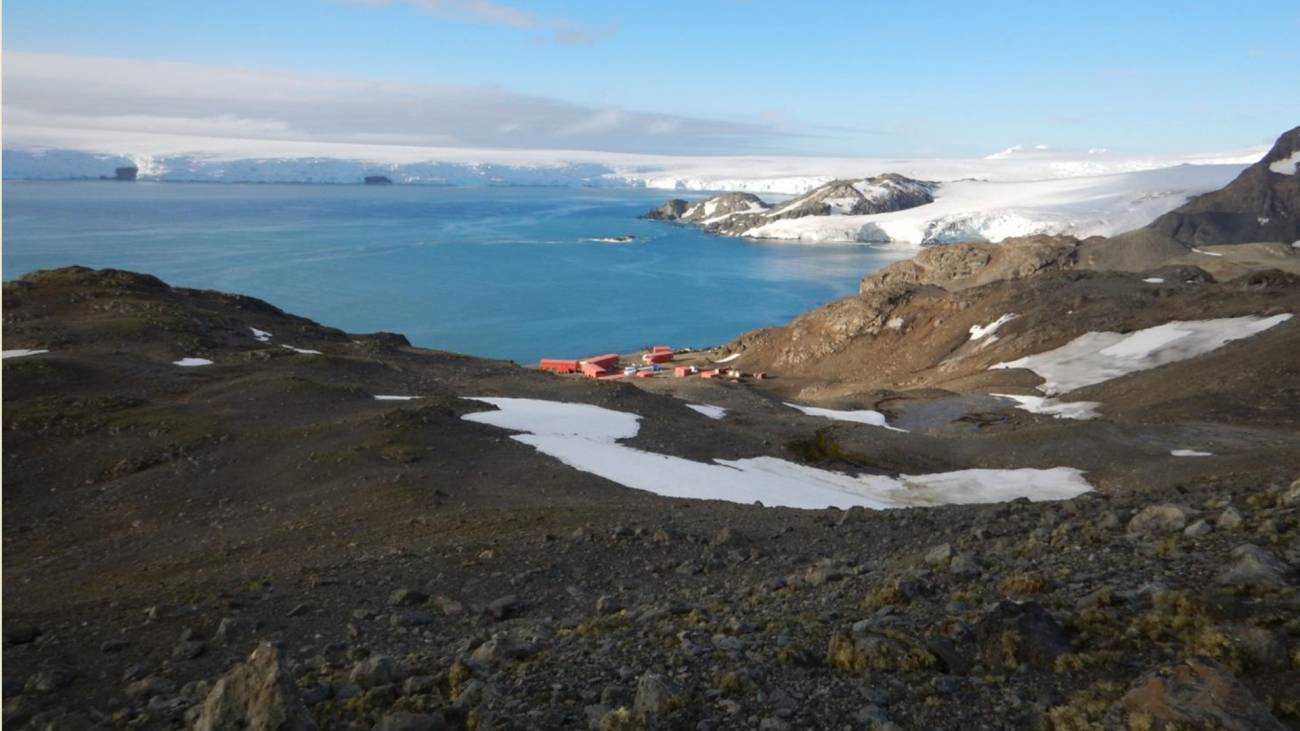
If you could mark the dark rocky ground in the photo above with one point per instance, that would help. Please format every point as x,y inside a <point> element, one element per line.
<point>420,571</point>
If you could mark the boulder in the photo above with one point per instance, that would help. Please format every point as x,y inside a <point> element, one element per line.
<point>373,671</point>
<point>257,695</point>
<point>1158,520</point>
<point>1253,566</point>
<point>1196,693</point>
<point>1011,633</point>
<point>655,695</point>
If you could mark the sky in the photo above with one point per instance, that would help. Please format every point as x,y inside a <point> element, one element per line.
<point>861,78</point>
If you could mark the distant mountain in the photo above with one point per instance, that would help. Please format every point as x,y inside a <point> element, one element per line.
<point>1262,204</point>
<point>738,214</point>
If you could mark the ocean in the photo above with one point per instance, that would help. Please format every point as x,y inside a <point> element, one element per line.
<point>503,272</point>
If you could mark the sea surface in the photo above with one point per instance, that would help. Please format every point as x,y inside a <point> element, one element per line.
<point>504,272</point>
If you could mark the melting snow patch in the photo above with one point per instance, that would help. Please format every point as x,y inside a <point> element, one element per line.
<point>191,362</point>
<point>979,331</point>
<point>864,416</point>
<point>1287,165</point>
<point>20,353</point>
<point>395,398</point>
<point>1190,453</point>
<point>1095,357</point>
<point>1207,253</point>
<point>586,437</point>
<point>1154,280</point>
<point>729,358</point>
<point>713,412</point>
<point>304,351</point>
<point>1052,407</point>
<point>262,336</point>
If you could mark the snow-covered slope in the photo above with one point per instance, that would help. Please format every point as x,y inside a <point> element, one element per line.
<point>974,210</point>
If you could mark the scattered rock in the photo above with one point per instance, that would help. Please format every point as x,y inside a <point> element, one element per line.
<point>504,607</point>
<point>16,633</point>
<point>407,598</point>
<point>728,536</point>
<point>257,695</point>
<point>403,721</point>
<point>234,629</point>
<point>655,695</point>
<point>1196,693</point>
<point>1229,519</point>
<point>1253,566</point>
<point>373,671</point>
<point>939,556</point>
<point>1011,634</point>
<point>411,618</point>
<point>1158,520</point>
<point>50,680</point>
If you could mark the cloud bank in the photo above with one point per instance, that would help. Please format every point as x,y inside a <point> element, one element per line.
<point>89,95</point>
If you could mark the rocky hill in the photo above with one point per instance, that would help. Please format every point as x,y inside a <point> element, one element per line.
<point>1262,204</point>
<point>736,214</point>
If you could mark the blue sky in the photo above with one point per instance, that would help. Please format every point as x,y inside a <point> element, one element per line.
<point>852,78</point>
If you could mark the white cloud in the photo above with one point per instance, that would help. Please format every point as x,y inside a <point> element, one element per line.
<point>563,32</point>
<point>113,95</point>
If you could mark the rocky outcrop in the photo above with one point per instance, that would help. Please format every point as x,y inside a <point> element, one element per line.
<point>879,194</point>
<point>960,266</point>
<point>1262,204</point>
<point>258,695</point>
<point>736,214</point>
<point>1198,693</point>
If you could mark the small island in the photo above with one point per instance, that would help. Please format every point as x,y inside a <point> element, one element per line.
<point>378,180</point>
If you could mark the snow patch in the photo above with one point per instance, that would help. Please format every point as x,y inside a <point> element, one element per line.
<point>304,351</point>
<point>864,416</point>
<point>979,331</point>
<point>191,362</point>
<point>1081,410</point>
<point>728,359</point>
<point>1287,165</point>
<point>1190,453</point>
<point>379,397</point>
<point>1100,356</point>
<point>713,412</point>
<point>262,336</point>
<point>1207,253</point>
<point>586,437</point>
<point>20,353</point>
<point>1154,280</point>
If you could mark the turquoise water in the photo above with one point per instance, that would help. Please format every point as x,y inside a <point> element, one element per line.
<point>499,272</point>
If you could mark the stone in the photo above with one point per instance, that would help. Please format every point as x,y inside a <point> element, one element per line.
<point>188,650</point>
<point>1196,693</point>
<point>407,598</point>
<point>419,685</point>
<point>234,629</point>
<point>939,556</point>
<point>1200,528</point>
<point>373,671</point>
<point>1253,566</point>
<point>403,721</point>
<point>50,680</point>
<point>728,536</point>
<point>964,565</point>
<point>1291,495</point>
<point>504,607</point>
<point>1011,633</point>
<point>1158,520</point>
<point>150,686</point>
<point>607,604</point>
<point>111,646</point>
<point>256,695</point>
<point>1229,519</point>
<point>655,695</point>
<point>411,618</point>
<point>500,649</point>
<point>16,633</point>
